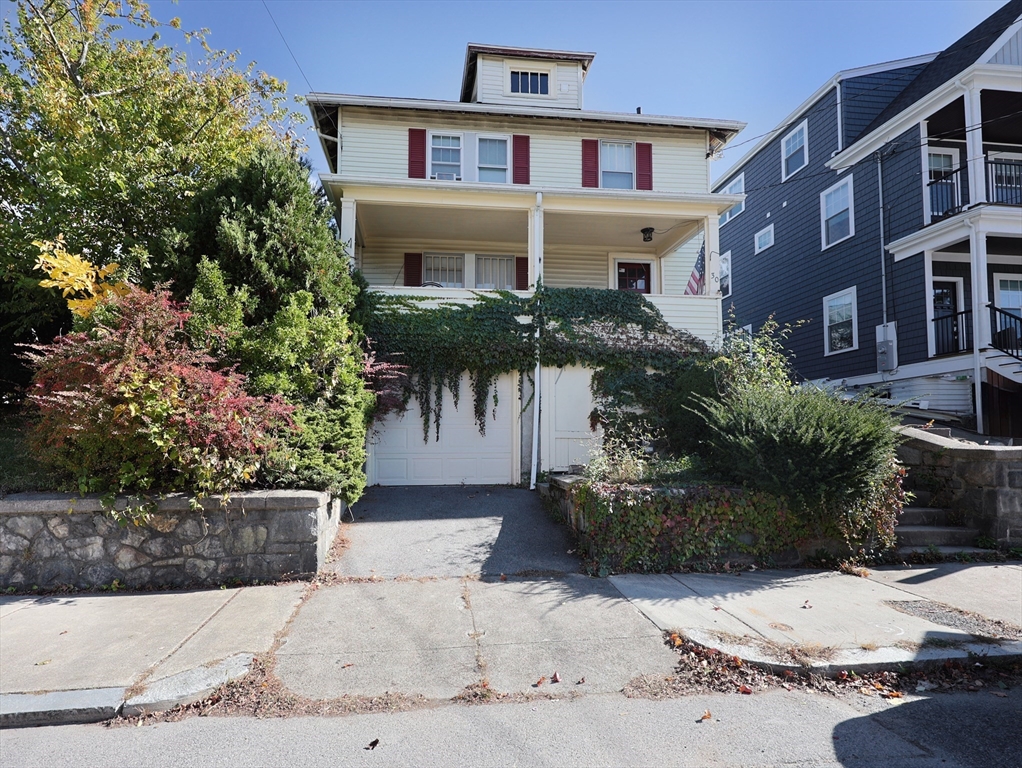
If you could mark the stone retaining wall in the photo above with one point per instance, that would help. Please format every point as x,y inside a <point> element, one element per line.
<point>981,483</point>
<point>49,540</point>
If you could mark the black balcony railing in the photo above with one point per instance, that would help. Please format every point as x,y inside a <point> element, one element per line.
<point>953,333</point>
<point>945,194</point>
<point>1005,332</point>
<point>1004,181</point>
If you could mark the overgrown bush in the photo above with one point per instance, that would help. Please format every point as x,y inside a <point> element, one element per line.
<point>684,425</point>
<point>128,406</point>
<point>641,528</point>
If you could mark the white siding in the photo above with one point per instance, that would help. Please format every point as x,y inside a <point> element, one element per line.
<point>575,267</point>
<point>375,145</point>
<point>699,315</point>
<point>490,82</point>
<point>677,266</point>
<point>940,393</point>
<point>1010,52</point>
<point>382,263</point>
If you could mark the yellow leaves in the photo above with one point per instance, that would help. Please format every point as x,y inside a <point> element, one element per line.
<point>80,281</point>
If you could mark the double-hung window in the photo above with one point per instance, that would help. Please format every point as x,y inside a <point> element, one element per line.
<point>764,238</point>
<point>840,314</point>
<point>617,165</point>
<point>736,187</point>
<point>837,213</point>
<point>445,157</point>
<point>493,159</point>
<point>794,151</point>
<point>445,269</point>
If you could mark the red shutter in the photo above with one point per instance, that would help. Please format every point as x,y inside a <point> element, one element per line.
<point>521,273</point>
<point>520,156</point>
<point>590,163</point>
<point>413,269</point>
<point>416,154</point>
<point>643,166</point>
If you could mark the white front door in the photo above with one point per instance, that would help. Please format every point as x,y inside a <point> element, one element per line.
<point>397,454</point>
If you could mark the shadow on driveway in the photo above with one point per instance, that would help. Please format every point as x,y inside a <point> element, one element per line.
<point>446,531</point>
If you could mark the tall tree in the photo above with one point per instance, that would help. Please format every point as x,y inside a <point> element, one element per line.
<point>106,134</point>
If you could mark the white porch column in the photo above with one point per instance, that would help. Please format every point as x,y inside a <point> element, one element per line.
<point>711,240</point>
<point>347,225</point>
<point>536,238</point>
<point>982,292</point>
<point>974,145</point>
<point>979,311</point>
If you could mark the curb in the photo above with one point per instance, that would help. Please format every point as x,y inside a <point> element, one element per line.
<point>25,710</point>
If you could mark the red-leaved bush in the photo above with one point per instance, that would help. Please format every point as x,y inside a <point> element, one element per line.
<point>130,407</point>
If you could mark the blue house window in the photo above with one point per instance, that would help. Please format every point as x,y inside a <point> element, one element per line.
<point>530,82</point>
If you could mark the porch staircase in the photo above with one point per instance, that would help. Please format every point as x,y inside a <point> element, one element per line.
<point>923,529</point>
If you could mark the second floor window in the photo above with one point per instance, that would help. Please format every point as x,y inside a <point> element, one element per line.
<point>445,157</point>
<point>736,187</point>
<point>794,151</point>
<point>836,213</point>
<point>617,164</point>
<point>493,160</point>
<point>530,82</point>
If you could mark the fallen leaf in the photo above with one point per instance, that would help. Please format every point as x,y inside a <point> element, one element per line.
<point>555,678</point>
<point>999,694</point>
<point>345,666</point>
<point>716,607</point>
<point>540,682</point>
<point>43,663</point>
<point>891,694</point>
<point>64,632</point>
<point>706,716</point>
<point>878,686</point>
<point>676,639</point>
<point>806,604</point>
<point>842,675</point>
<point>786,687</point>
<point>744,689</point>
<point>503,577</point>
<point>581,682</point>
<point>372,744</point>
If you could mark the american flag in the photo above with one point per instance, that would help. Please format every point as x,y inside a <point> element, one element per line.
<point>698,277</point>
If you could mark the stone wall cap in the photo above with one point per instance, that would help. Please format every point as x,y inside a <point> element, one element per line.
<point>960,448</point>
<point>56,503</point>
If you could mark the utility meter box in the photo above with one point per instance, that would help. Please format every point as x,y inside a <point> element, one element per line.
<point>887,347</point>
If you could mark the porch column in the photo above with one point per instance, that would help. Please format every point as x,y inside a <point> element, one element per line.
<point>978,258</point>
<point>536,238</point>
<point>711,240</point>
<point>982,290</point>
<point>974,145</point>
<point>347,225</point>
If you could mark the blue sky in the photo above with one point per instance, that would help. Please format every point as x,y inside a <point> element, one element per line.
<point>750,61</point>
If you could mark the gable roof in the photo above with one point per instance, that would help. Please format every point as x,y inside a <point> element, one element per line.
<point>950,62</point>
<point>473,50</point>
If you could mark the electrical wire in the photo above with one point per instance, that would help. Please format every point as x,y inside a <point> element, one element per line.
<point>284,39</point>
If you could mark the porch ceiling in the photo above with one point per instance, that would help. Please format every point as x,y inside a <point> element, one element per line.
<point>616,232</point>
<point>413,222</point>
<point>999,246</point>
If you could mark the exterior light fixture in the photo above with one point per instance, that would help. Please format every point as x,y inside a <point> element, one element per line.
<point>647,234</point>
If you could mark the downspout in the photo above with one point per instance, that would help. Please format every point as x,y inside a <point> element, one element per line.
<point>535,418</point>
<point>976,358</point>
<point>883,249</point>
<point>840,122</point>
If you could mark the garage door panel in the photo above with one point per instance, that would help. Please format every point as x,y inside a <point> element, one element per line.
<point>398,455</point>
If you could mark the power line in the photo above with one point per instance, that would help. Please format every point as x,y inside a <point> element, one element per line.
<point>293,57</point>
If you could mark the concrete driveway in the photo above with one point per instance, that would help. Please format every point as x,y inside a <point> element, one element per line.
<point>454,531</point>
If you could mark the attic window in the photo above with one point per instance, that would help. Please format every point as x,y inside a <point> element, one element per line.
<point>530,82</point>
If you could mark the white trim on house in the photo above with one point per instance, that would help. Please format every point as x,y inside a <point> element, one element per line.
<point>931,339</point>
<point>992,219</point>
<point>818,94</point>
<point>804,128</point>
<point>824,245</point>
<point>738,208</point>
<point>827,351</point>
<point>928,151</point>
<point>1001,41</point>
<point>767,230</point>
<point>529,66</point>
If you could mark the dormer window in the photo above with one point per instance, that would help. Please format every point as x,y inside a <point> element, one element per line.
<point>445,157</point>
<point>530,82</point>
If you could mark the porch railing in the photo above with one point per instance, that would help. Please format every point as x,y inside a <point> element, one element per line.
<point>952,334</point>
<point>1004,181</point>
<point>945,194</point>
<point>1005,332</point>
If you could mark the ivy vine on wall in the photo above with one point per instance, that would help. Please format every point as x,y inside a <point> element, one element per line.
<point>620,335</point>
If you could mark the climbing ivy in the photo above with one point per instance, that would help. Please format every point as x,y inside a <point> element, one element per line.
<point>619,334</point>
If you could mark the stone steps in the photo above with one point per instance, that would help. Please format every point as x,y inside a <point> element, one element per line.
<point>923,516</point>
<point>936,536</point>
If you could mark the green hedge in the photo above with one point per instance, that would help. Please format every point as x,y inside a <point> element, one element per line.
<point>634,528</point>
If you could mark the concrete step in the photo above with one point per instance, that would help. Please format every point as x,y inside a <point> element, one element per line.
<point>935,535</point>
<point>906,551</point>
<point>923,516</point>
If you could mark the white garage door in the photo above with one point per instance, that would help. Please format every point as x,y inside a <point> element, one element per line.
<point>398,456</point>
